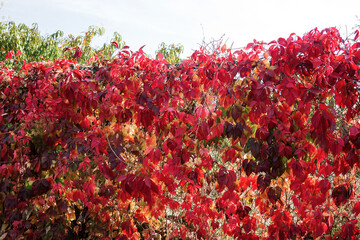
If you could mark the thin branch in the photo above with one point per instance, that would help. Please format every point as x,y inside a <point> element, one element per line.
<point>115,152</point>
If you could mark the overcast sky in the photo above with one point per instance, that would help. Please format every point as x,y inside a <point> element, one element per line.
<point>150,22</point>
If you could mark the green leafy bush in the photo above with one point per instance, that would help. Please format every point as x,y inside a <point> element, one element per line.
<point>20,42</point>
<point>171,52</point>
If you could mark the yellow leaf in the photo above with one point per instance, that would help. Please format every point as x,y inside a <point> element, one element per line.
<point>3,236</point>
<point>142,204</point>
<point>3,227</point>
<point>131,206</point>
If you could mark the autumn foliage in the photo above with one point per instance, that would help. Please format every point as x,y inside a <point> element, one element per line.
<point>261,143</point>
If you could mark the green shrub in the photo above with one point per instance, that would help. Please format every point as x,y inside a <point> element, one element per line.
<point>26,43</point>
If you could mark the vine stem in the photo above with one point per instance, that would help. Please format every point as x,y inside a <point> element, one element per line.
<point>107,138</point>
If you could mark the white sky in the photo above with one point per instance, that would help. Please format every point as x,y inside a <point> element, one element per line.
<point>150,22</point>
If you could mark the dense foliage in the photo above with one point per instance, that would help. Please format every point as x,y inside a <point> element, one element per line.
<point>261,143</point>
<point>26,43</point>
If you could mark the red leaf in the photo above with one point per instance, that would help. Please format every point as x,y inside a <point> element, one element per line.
<point>155,155</point>
<point>282,41</point>
<point>104,169</point>
<point>217,130</point>
<point>89,187</point>
<point>356,208</point>
<point>159,56</point>
<point>10,202</point>
<point>353,131</point>
<point>77,194</point>
<point>201,112</point>
<point>187,118</point>
<point>356,35</point>
<point>230,155</point>
<point>231,178</point>
<point>67,49</point>
<point>249,166</point>
<point>341,194</point>
<point>349,231</point>
<point>95,141</point>
<point>77,74</point>
<point>77,53</point>
<point>82,166</point>
<point>274,193</point>
<point>10,54</point>
<point>146,117</point>
<point>325,169</point>
<point>324,185</point>
<point>263,181</point>
<point>354,66</point>
<point>203,131</point>
<point>18,53</point>
<point>355,45</point>
<point>222,176</point>
<point>236,112</point>
<point>128,228</point>
<point>115,44</point>
<point>40,187</point>
<point>148,182</point>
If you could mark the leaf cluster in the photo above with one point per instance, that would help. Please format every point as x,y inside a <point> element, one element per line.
<point>26,43</point>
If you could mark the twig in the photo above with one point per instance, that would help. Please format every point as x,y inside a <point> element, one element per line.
<point>107,138</point>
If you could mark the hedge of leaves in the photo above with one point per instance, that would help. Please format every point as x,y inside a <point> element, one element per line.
<point>261,143</point>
